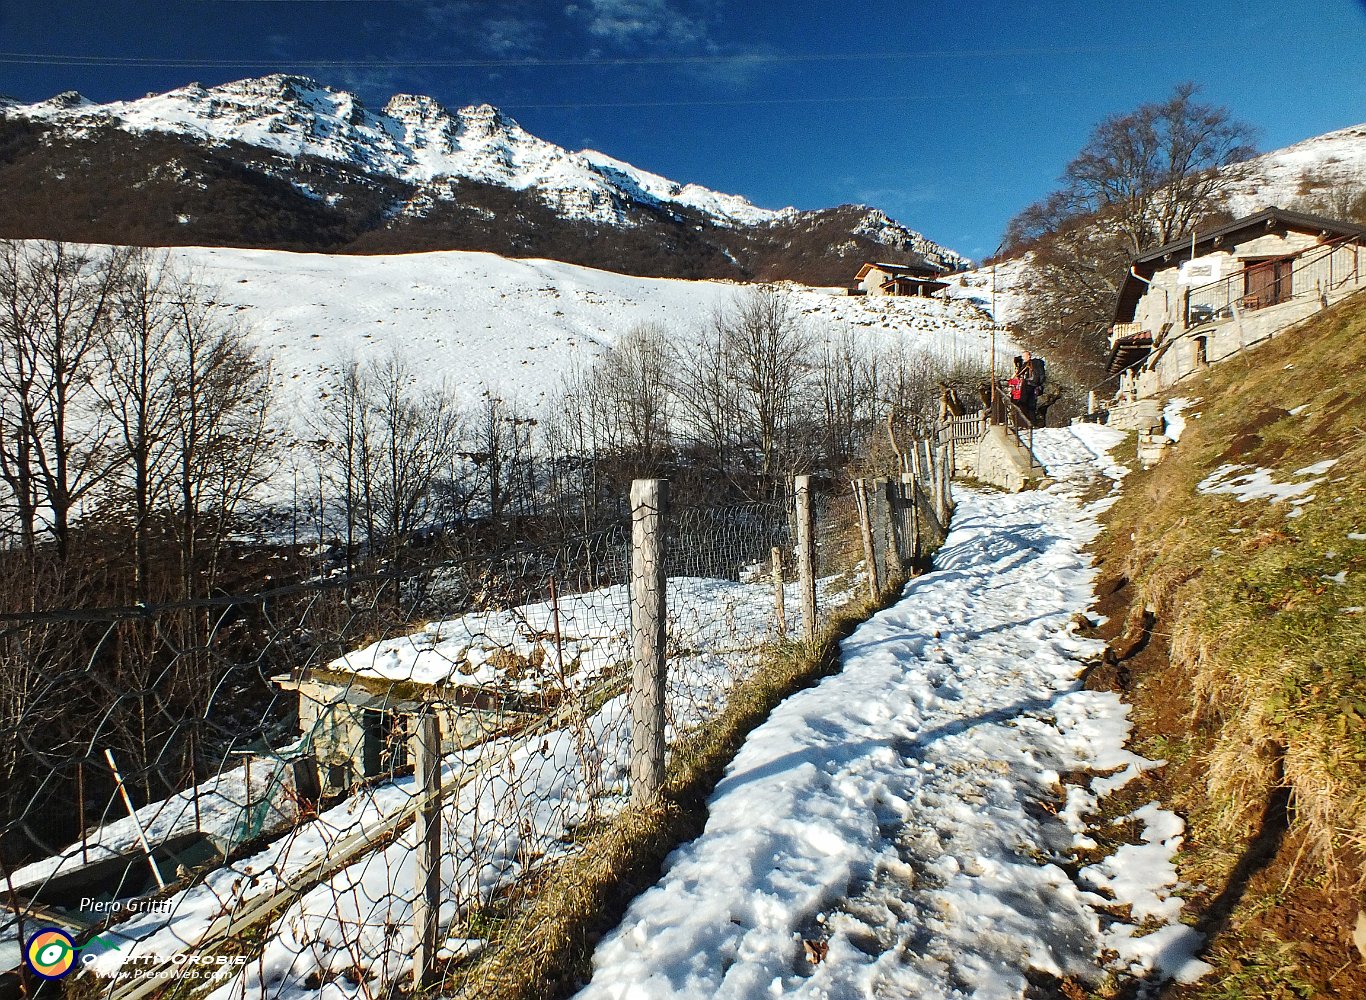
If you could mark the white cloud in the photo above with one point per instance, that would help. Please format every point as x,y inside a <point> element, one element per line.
<point>511,36</point>
<point>464,24</point>
<point>627,23</point>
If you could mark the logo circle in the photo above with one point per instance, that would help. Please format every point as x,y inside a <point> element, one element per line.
<point>51,953</point>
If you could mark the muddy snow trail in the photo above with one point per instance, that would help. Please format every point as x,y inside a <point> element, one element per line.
<point>902,828</point>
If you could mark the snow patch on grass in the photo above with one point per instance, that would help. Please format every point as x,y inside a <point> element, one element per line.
<point>1246,483</point>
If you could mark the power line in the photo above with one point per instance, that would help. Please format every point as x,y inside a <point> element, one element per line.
<point>720,102</point>
<point>757,58</point>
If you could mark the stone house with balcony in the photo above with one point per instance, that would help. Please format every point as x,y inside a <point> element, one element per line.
<point>919,279</point>
<point>1200,300</point>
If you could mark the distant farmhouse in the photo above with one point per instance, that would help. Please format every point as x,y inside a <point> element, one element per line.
<point>1197,301</point>
<point>919,279</point>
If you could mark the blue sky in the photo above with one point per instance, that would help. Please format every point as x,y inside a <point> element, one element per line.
<point>949,117</point>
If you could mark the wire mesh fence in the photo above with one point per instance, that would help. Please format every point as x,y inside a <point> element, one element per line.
<point>324,787</point>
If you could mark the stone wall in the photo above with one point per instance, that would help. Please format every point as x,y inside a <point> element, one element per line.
<point>1000,460</point>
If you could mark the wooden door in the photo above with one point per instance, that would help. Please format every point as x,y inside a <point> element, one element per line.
<point>1267,282</point>
<point>1285,275</point>
<point>1259,284</point>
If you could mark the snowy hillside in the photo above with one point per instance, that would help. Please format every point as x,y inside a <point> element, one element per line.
<point>472,320</point>
<point>1305,170</point>
<point>1001,290</point>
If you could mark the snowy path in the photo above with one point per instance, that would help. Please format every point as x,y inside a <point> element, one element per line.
<point>909,813</point>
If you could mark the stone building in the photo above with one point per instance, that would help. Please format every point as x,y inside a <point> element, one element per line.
<point>1200,300</point>
<point>359,726</point>
<point>918,279</point>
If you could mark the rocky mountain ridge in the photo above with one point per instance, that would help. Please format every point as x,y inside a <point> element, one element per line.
<point>285,162</point>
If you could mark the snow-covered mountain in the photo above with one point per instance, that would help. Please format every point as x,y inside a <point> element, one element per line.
<point>413,139</point>
<point>414,175</point>
<point>1312,173</point>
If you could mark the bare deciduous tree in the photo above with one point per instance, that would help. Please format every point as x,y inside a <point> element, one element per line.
<point>139,394</point>
<point>56,301</point>
<point>218,422</point>
<point>769,352</point>
<point>1149,175</point>
<point>391,452</point>
<point>708,397</point>
<point>637,384</point>
<point>1143,178</point>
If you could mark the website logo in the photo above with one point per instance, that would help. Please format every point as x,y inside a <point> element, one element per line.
<point>51,953</point>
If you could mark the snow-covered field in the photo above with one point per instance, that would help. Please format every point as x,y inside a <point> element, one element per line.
<point>917,826</point>
<point>474,320</point>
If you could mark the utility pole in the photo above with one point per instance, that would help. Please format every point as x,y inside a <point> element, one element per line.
<point>994,323</point>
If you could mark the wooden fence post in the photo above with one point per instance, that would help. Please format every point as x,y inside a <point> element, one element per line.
<point>908,490</point>
<point>779,598</point>
<point>649,628</point>
<point>936,481</point>
<point>865,525</point>
<point>889,491</point>
<point>879,518</point>
<point>427,829</point>
<point>806,556</point>
<point>945,485</point>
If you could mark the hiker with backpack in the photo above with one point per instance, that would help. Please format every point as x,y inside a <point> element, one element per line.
<point>1034,380</point>
<point>1027,385</point>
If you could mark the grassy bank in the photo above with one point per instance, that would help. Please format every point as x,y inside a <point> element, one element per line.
<point>543,947</point>
<point>1260,706</point>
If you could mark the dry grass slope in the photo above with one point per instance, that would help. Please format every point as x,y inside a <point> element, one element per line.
<point>1264,615</point>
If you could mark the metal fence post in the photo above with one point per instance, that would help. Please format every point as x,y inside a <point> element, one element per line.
<point>649,628</point>
<point>779,598</point>
<point>427,828</point>
<point>806,556</point>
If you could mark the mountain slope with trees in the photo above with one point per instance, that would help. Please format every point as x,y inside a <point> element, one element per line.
<point>1235,627</point>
